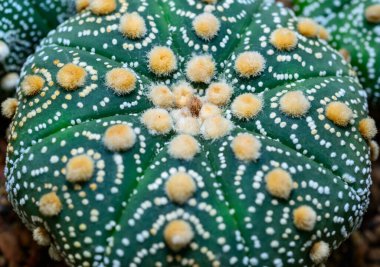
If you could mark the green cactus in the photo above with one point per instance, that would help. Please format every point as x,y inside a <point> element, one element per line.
<point>355,31</point>
<point>22,26</point>
<point>198,133</point>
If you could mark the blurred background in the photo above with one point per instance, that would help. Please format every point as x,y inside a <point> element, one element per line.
<point>17,247</point>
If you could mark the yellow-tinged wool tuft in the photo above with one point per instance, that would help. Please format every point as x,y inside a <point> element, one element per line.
<point>50,205</point>
<point>82,4</point>
<point>54,253</point>
<point>188,125</point>
<point>250,64</point>
<point>162,60</point>
<point>372,13</point>
<point>183,147</point>
<point>121,80</point>
<point>246,147</point>
<point>216,127</point>
<point>9,107</point>
<point>71,76</point>
<point>161,96</point>
<point>294,104</point>
<point>339,113</point>
<point>367,128</point>
<point>180,113</point>
<point>247,106</point>
<point>132,25</point>
<point>183,93</point>
<point>119,137</point>
<point>41,236</point>
<point>308,27</point>
<point>323,33</point>
<point>279,183</point>
<point>180,187</point>
<point>219,93</point>
<point>209,110</point>
<point>102,7</point>
<point>10,81</point>
<point>374,149</point>
<point>320,252</point>
<point>201,69</point>
<point>157,120</point>
<point>4,50</point>
<point>345,54</point>
<point>32,85</point>
<point>304,218</point>
<point>178,234</point>
<point>79,169</point>
<point>206,26</point>
<point>284,39</point>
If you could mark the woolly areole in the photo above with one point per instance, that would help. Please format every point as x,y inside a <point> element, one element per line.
<point>173,149</point>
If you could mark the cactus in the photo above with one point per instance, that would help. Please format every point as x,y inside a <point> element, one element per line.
<point>354,29</point>
<point>200,133</point>
<point>22,25</point>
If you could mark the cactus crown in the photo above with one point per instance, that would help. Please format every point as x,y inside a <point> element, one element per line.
<point>200,133</point>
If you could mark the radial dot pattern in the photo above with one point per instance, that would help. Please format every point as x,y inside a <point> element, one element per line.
<point>226,211</point>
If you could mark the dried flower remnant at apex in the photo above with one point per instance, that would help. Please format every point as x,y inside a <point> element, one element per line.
<point>170,133</point>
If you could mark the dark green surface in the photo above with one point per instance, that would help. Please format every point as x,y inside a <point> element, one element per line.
<point>350,30</point>
<point>23,23</point>
<point>236,222</point>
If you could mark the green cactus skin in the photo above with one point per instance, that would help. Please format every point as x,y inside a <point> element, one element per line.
<point>118,217</point>
<point>350,30</point>
<point>22,26</point>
